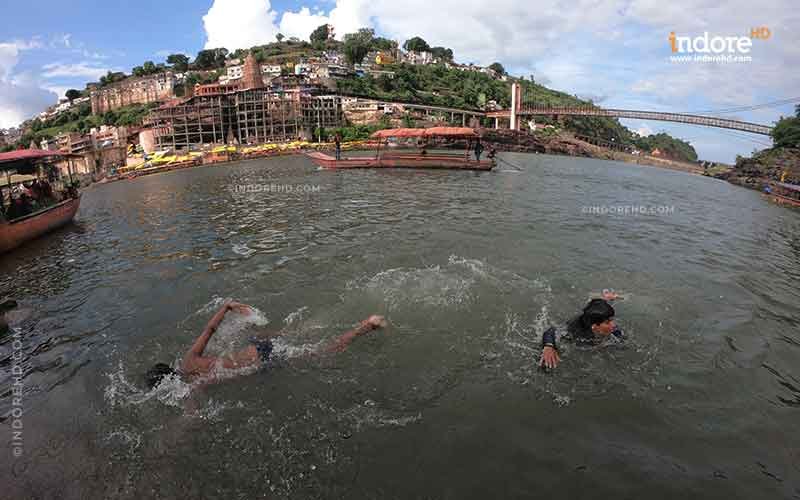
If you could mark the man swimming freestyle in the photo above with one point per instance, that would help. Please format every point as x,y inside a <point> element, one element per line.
<point>196,365</point>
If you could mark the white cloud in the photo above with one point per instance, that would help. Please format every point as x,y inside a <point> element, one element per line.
<point>59,90</point>
<point>75,70</point>
<point>18,99</point>
<point>164,53</point>
<point>20,102</point>
<point>236,24</point>
<point>301,23</point>
<point>644,130</point>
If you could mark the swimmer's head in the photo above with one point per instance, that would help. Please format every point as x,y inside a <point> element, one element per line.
<point>599,316</point>
<point>157,373</point>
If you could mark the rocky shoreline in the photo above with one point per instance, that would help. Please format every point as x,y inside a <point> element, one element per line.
<point>764,167</point>
<point>567,145</point>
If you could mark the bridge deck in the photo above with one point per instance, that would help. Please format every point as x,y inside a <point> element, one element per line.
<point>709,121</point>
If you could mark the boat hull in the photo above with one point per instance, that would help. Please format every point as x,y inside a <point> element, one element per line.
<point>17,232</point>
<point>783,200</point>
<point>445,162</point>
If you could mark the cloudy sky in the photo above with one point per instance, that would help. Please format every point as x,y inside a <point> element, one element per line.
<point>615,52</point>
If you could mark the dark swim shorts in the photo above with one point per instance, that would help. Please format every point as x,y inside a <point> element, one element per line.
<point>264,348</point>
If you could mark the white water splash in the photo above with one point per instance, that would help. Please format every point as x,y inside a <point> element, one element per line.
<point>243,250</point>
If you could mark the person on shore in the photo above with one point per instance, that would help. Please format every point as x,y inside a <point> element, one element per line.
<point>594,325</point>
<point>338,142</point>
<point>196,365</point>
<point>478,150</point>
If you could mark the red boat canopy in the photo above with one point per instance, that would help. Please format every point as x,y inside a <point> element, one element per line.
<point>20,157</point>
<point>450,132</point>
<point>425,132</point>
<point>399,132</point>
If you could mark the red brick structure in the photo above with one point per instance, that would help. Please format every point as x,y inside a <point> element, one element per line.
<point>251,74</point>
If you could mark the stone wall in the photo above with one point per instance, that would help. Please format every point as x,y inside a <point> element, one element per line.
<point>140,90</point>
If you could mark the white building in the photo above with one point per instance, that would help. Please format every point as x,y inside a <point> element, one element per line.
<point>271,70</point>
<point>234,72</point>
<point>414,57</point>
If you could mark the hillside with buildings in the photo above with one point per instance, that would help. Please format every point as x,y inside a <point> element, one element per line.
<point>293,89</point>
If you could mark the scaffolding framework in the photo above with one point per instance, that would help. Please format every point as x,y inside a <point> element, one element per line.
<point>247,117</point>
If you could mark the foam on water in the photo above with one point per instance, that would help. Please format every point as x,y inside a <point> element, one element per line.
<point>243,250</point>
<point>451,285</point>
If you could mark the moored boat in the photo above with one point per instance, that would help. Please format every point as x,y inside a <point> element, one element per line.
<point>19,228</point>
<point>385,158</point>
<point>784,193</point>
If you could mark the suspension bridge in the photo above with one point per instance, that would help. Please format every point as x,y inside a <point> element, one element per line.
<point>520,109</point>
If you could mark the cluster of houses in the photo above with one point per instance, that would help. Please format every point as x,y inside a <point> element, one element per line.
<point>332,65</point>
<point>63,105</point>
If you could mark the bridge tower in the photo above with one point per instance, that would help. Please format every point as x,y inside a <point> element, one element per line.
<point>516,105</point>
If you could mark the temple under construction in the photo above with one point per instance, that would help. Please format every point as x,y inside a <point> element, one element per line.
<point>247,113</point>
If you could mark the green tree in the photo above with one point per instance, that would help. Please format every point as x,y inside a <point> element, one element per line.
<point>138,71</point>
<point>442,53</point>
<point>497,68</point>
<point>797,110</point>
<point>279,37</point>
<point>319,36</point>
<point>786,133</point>
<point>211,58</point>
<point>179,62</point>
<point>356,45</point>
<point>73,94</point>
<point>149,67</point>
<point>380,43</point>
<point>416,44</point>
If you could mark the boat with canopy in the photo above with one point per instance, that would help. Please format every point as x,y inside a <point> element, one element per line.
<point>784,193</point>
<point>426,138</point>
<point>48,202</point>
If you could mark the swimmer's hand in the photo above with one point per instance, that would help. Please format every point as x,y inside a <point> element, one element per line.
<point>550,357</point>
<point>376,321</point>
<point>239,308</point>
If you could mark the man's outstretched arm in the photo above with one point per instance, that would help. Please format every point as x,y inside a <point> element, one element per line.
<point>369,324</point>
<point>200,344</point>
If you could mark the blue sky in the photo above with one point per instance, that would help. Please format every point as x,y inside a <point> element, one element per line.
<point>615,52</point>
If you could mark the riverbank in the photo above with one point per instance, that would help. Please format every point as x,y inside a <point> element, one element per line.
<point>765,167</point>
<point>560,144</point>
<point>566,144</point>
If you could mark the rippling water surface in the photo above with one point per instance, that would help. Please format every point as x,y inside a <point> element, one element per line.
<point>469,268</point>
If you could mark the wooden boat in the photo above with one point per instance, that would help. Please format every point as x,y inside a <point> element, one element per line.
<point>784,193</point>
<point>420,159</point>
<point>15,232</point>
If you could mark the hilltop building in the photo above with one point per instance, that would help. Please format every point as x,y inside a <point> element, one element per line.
<point>140,90</point>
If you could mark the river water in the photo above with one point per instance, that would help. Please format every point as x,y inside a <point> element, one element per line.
<point>702,399</point>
